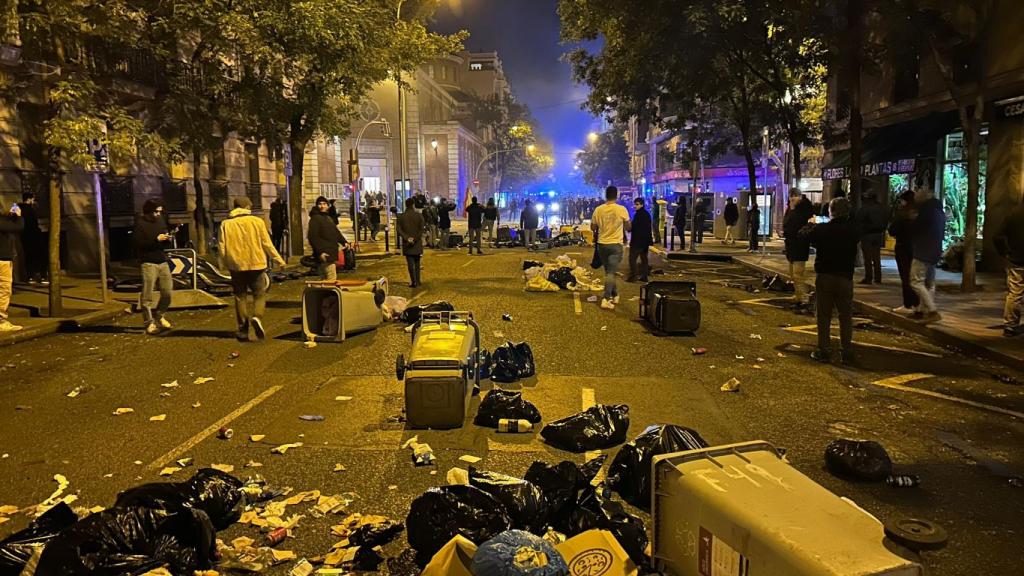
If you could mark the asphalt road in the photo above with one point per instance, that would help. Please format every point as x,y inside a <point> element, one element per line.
<point>585,355</point>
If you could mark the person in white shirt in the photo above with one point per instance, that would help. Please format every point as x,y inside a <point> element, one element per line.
<point>609,221</point>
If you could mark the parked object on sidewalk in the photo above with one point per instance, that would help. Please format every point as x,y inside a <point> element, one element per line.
<point>671,306</point>
<point>858,460</point>
<point>16,549</point>
<point>501,404</point>
<point>518,553</point>
<point>599,427</point>
<point>596,552</point>
<point>744,501</point>
<point>442,513</point>
<point>523,501</point>
<point>630,472</point>
<point>411,314</point>
<point>453,559</point>
<point>510,362</point>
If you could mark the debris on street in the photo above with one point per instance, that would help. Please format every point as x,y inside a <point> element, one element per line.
<point>422,453</point>
<point>123,411</point>
<point>311,417</point>
<point>501,404</point>
<point>731,385</point>
<point>469,459</point>
<point>158,418</point>
<point>256,437</point>
<point>203,380</point>
<point>629,474</point>
<point>511,362</point>
<point>225,433</point>
<point>699,351</point>
<point>599,427</point>
<point>171,384</point>
<point>864,460</point>
<point>283,448</point>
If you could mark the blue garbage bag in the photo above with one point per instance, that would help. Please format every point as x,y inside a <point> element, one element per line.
<point>518,553</point>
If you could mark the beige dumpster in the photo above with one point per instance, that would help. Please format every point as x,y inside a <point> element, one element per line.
<point>741,509</point>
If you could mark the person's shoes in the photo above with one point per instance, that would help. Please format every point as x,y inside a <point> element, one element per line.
<point>903,310</point>
<point>615,300</point>
<point>165,323</point>
<point>607,304</point>
<point>33,281</point>
<point>878,280</point>
<point>152,329</point>
<point>44,282</point>
<point>917,315</point>
<point>257,328</point>
<point>930,317</point>
<point>1008,332</point>
<point>6,326</point>
<point>821,356</point>
<point>865,281</point>
<point>848,358</point>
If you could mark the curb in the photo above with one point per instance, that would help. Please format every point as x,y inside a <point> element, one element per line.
<point>930,331</point>
<point>62,325</point>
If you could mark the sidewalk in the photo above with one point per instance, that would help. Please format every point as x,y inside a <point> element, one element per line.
<point>83,306</point>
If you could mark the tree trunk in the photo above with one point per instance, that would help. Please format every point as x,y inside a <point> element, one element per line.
<point>971,124</point>
<point>797,168</point>
<point>748,154</point>
<point>199,216</point>
<point>56,297</point>
<point>298,149</point>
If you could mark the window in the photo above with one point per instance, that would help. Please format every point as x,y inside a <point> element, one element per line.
<point>444,72</point>
<point>476,66</point>
<point>430,70</point>
<point>218,165</point>
<point>252,161</point>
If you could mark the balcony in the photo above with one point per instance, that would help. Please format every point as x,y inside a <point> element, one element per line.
<point>255,193</point>
<point>139,66</point>
<point>118,195</point>
<point>175,195</point>
<point>219,198</point>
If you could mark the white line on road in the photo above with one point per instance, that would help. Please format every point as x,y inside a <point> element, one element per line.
<point>896,383</point>
<point>468,263</point>
<point>576,303</point>
<point>176,452</point>
<point>812,330</point>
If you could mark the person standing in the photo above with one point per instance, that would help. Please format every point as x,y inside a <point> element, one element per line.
<point>409,226</point>
<point>754,227</point>
<point>798,248</point>
<point>474,220</point>
<point>1010,243</point>
<point>700,216</point>
<point>491,217</point>
<point>430,220</point>
<point>608,222</point>
<point>332,211</point>
<point>901,228</point>
<point>927,231</point>
<point>278,222</point>
<point>33,240</point>
<point>11,226</point>
<point>151,237</point>
<point>245,247</point>
<point>872,221</point>
<point>324,237</point>
<point>373,216</point>
<point>836,242</point>
<point>679,222</point>
<point>529,219</point>
<point>640,240</point>
<point>444,221</point>
<point>731,215</point>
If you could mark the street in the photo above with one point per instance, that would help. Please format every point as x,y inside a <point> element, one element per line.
<point>583,354</point>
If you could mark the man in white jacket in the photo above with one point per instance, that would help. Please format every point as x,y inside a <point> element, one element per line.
<point>245,246</point>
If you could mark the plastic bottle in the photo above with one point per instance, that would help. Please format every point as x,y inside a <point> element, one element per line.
<point>903,481</point>
<point>514,426</point>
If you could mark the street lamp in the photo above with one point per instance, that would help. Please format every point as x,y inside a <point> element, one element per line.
<point>433,144</point>
<point>593,137</point>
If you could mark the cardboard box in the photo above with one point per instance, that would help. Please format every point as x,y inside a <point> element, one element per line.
<point>453,559</point>
<point>596,553</point>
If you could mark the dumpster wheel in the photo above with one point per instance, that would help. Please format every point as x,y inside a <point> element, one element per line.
<point>916,534</point>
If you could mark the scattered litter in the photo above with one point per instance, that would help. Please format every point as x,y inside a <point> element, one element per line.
<point>518,552</point>
<point>760,359</point>
<point>755,337</point>
<point>521,499</point>
<point>225,468</point>
<point>234,354</point>
<point>469,459</point>
<point>393,487</point>
<point>440,513</point>
<point>756,366</point>
<point>501,404</point>
<point>22,408</point>
<point>225,433</point>
<point>499,335</point>
<point>738,357</point>
<point>138,462</point>
<point>517,426</point>
<point>603,328</point>
<point>203,380</point>
<point>197,404</point>
<point>422,454</point>
<point>169,470</point>
<point>253,464</point>
<point>699,351</point>
<point>599,427</point>
<point>184,462</point>
<point>309,344</point>
<point>311,418</point>
<point>283,448</point>
<point>339,468</point>
<point>75,392</point>
<point>510,362</point>
<point>506,317</point>
<point>257,437</point>
<point>634,298</point>
<point>342,398</point>
<point>171,384</point>
<point>122,411</point>
<point>858,459</point>
<point>592,299</point>
<point>165,394</point>
<point>903,481</point>
<point>457,476</point>
<point>158,418</point>
<point>733,385</point>
<point>303,568</point>
<point>780,355</point>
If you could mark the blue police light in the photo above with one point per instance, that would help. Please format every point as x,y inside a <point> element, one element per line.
<point>540,207</point>
<point>551,194</point>
<point>554,206</point>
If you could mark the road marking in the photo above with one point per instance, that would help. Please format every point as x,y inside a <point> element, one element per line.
<point>812,330</point>
<point>588,401</point>
<point>468,263</point>
<point>588,398</point>
<point>763,301</point>
<point>212,428</point>
<point>576,303</point>
<point>413,297</point>
<point>896,383</point>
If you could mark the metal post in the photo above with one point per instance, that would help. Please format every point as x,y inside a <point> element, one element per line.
<point>764,164</point>
<point>98,188</point>
<point>288,197</point>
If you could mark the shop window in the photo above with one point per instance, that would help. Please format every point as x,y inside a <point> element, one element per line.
<point>955,185</point>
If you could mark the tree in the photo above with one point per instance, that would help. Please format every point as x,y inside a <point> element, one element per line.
<point>605,161</point>
<point>515,156</point>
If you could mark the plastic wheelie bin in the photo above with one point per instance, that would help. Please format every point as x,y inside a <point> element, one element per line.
<point>334,309</point>
<point>442,370</point>
<point>741,509</point>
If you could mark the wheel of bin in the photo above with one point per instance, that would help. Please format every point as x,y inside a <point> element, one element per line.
<point>916,534</point>
<point>400,367</point>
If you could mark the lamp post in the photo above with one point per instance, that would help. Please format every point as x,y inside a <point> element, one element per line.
<point>764,164</point>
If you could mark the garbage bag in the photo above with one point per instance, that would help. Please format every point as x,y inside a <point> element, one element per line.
<point>523,501</point>
<point>16,549</point>
<point>131,541</point>
<point>498,404</point>
<point>596,511</point>
<point>510,362</point>
<point>560,484</point>
<point>411,314</point>
<point>393,306</point>
<point>595,262</point>
<point>564,259</point>
<point>485,364</point>
<point>375,534</point>
<point>527,264</point>
<point>216,493</point>
<point>518,553</point>
<point>441,513</point>
<point>858,459</point>
<point>540,284</point>
<point>562,277</point>
<point>630,470</point>
<point>599,427</point>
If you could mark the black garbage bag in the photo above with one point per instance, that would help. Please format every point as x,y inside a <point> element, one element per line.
<point>598,511</point>
<point>131,541</point>
<point>498,404</point>
<point>527,264</point>
<point>560,484</point>
<point>412,314</point>
<point>858,459</point>
<point>377,534</point>
<point>599,427</point>
<point>776,283</point>
<point>562,277</point>
<point>518,553</point>
<point>441,513</point>
<point>523,501</point>
<point>217,493</point>
<point>485,364</point>
<point>630,471</point>
<point>16,549</point>
<point>510,362</point>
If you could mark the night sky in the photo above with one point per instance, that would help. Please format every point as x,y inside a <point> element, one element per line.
<point>525,35</point>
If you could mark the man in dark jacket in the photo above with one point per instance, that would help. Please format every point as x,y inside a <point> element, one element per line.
<point>324,238</point>
<point>11,226</point>
<point>700,216</point>
<point>475,222</point>
<point>409,227</point>
<point>679,221</point>
<point>529,219</point>
<point>928,230</point>
<point>872,219</point>
<point>901,229</point>
<point>444,220</point>
<point>491,217</point>
<point>151,237</point>
<point>754,227</point>
<point>1010,243</point>
<point>798,248</point>
<point>33,240</point>
<point>731,215</point>
<point>278,223</point>
<point>836,242</point>
<point>640,240</point>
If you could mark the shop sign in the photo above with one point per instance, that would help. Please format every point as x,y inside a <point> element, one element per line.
<point>955,147</point>
<point>1013,108</point>
<point>905,166</point>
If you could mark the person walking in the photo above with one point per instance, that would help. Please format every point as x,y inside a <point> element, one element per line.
<point>373,216</point>
<point>901,228</point>
<point>245,247</point>
<point>679,221</point>
<point>33,240</point>
<point>324,237</point>
<point>836,243</point>
<point>798,247</point>
<point>278,222</point>
<point>529,219</point>
<point>491,217</point>
<point>1010,243</point>
<point>754,227</point>
<point>731,215</point>
<point>409,226</point>
<point>11,226</point>
<point>640,240</point>
<point>872,221</point>
<point>474,220</point>
<point>608,222</point>
<point>151,237</point>
<point>927,231</point>
<point>700,216</point>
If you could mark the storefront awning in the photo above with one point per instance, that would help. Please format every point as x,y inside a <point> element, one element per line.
<point>895,149</point>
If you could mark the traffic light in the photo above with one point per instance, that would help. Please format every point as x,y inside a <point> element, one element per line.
<point>353,166</point>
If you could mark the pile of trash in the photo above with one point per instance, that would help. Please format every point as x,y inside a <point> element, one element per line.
<point>562,274</point>
<point>865,461</point>
<point>508,363</point>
